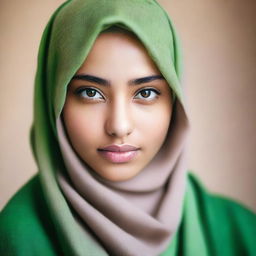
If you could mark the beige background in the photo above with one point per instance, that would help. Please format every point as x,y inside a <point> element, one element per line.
<point>219,43</point>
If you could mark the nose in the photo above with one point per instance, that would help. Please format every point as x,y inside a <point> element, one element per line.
<point>119,122</point>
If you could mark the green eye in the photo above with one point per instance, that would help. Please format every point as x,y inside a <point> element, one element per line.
<point>147,94</point>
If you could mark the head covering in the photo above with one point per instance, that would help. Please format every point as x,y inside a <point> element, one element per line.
<point>94,216</point>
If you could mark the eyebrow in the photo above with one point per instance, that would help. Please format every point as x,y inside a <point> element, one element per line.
<point>104,82</point>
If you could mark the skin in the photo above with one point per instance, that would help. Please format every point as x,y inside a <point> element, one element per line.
<point>120,112</point>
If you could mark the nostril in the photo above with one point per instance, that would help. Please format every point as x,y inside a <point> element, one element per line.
<point>118,121</point>
<point>119,131</point>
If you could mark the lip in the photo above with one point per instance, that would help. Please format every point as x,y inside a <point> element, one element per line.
<point>119,154</point>
<point>119,148</point>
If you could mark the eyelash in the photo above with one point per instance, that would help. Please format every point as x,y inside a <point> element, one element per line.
<point>157,93</point>
<point>80,90</point>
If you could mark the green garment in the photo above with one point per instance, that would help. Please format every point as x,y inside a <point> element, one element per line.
<point>211,225</point>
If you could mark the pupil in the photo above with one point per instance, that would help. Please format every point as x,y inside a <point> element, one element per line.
<point>145,93</point>
<point>91,92</point>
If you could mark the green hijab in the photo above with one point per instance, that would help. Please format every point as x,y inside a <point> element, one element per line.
<point>65,44</point>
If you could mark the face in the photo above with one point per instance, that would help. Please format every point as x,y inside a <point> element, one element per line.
<point>118,108</point>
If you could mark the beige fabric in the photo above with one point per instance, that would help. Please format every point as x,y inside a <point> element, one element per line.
<point>136,216</point>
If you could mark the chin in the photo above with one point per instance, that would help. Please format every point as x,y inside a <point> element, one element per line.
<point>118,175</point>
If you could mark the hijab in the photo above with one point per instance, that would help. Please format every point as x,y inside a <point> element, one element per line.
<point>93,216</point>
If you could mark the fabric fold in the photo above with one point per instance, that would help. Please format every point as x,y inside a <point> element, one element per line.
<point>128,220</point>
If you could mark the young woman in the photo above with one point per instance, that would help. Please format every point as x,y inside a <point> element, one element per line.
<point>109,137</point>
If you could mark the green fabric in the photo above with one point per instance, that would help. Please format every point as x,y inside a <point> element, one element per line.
<point>65,44</point>
<point>211,225</point>
<point>25,224</point>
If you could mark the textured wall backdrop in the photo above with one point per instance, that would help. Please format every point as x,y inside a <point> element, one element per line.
<point>219,46</point>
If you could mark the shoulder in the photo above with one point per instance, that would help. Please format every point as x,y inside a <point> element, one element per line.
<point>220,204</point>
<point>25,224</point>
<point>226,221</point>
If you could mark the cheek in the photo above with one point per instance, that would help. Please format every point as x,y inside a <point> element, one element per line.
<point>83,124</point>
<point>154,123</point>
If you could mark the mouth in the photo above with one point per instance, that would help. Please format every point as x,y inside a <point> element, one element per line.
<point>119,154</point>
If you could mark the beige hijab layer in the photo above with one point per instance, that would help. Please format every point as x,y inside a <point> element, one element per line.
<point>134,217</point>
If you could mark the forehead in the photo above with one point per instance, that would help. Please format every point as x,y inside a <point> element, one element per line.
<point>116,53</point>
